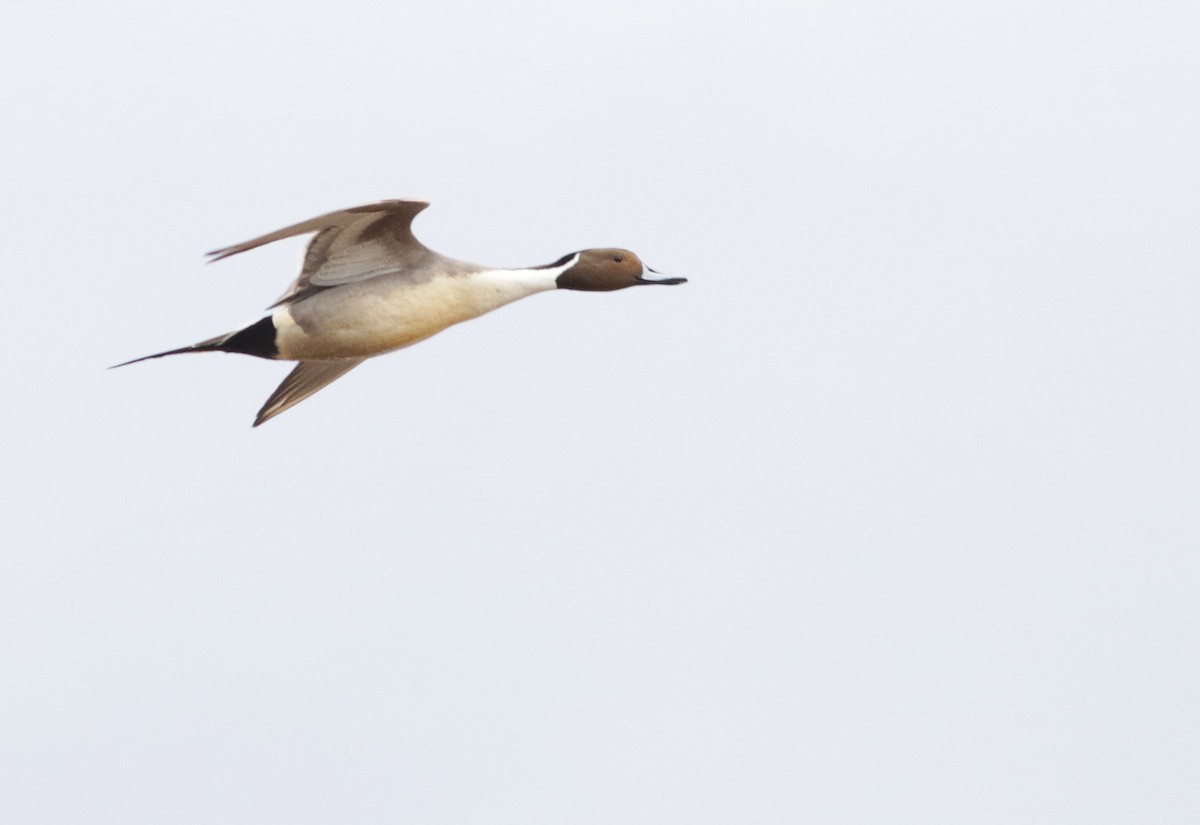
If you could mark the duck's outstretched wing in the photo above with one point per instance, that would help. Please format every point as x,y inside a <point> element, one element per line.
<point>350,245</point>
<point>303,381</point>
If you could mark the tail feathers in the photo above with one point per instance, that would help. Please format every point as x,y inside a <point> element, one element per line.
<point>258,340</point>
<point>211,345</point>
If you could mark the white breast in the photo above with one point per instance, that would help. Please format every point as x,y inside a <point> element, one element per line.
<point>377,316</point>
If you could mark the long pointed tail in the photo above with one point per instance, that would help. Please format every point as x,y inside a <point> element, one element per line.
<point>257,339</point>
<point>203,346</point>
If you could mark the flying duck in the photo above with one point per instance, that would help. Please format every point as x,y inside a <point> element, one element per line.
<point>367,287</point>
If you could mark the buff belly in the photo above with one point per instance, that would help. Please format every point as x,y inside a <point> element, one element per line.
<point>361,320</point>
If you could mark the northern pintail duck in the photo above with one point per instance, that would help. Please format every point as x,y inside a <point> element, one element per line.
<point>367,287</point>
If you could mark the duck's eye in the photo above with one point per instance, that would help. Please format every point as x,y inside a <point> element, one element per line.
<point>618,258</point>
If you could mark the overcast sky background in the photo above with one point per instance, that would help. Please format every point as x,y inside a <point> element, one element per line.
<point>889,515</point>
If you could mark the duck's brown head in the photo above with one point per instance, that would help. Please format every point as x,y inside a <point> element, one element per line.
<point>603,270</point>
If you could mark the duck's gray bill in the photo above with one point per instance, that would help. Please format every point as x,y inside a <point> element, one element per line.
<point>664,281</point>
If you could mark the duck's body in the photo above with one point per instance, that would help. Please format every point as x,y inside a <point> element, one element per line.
<point>394,311</point>
<point>368,287</point>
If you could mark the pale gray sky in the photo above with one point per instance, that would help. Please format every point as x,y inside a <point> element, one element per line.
<point>889,515</point>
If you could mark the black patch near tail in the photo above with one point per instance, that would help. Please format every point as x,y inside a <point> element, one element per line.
<point>257,339</point>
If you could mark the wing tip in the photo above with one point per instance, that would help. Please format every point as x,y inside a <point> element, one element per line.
<point>413,205</point>
<point>222,253</point>
<point>302,382</point>
<point>268,411</point>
